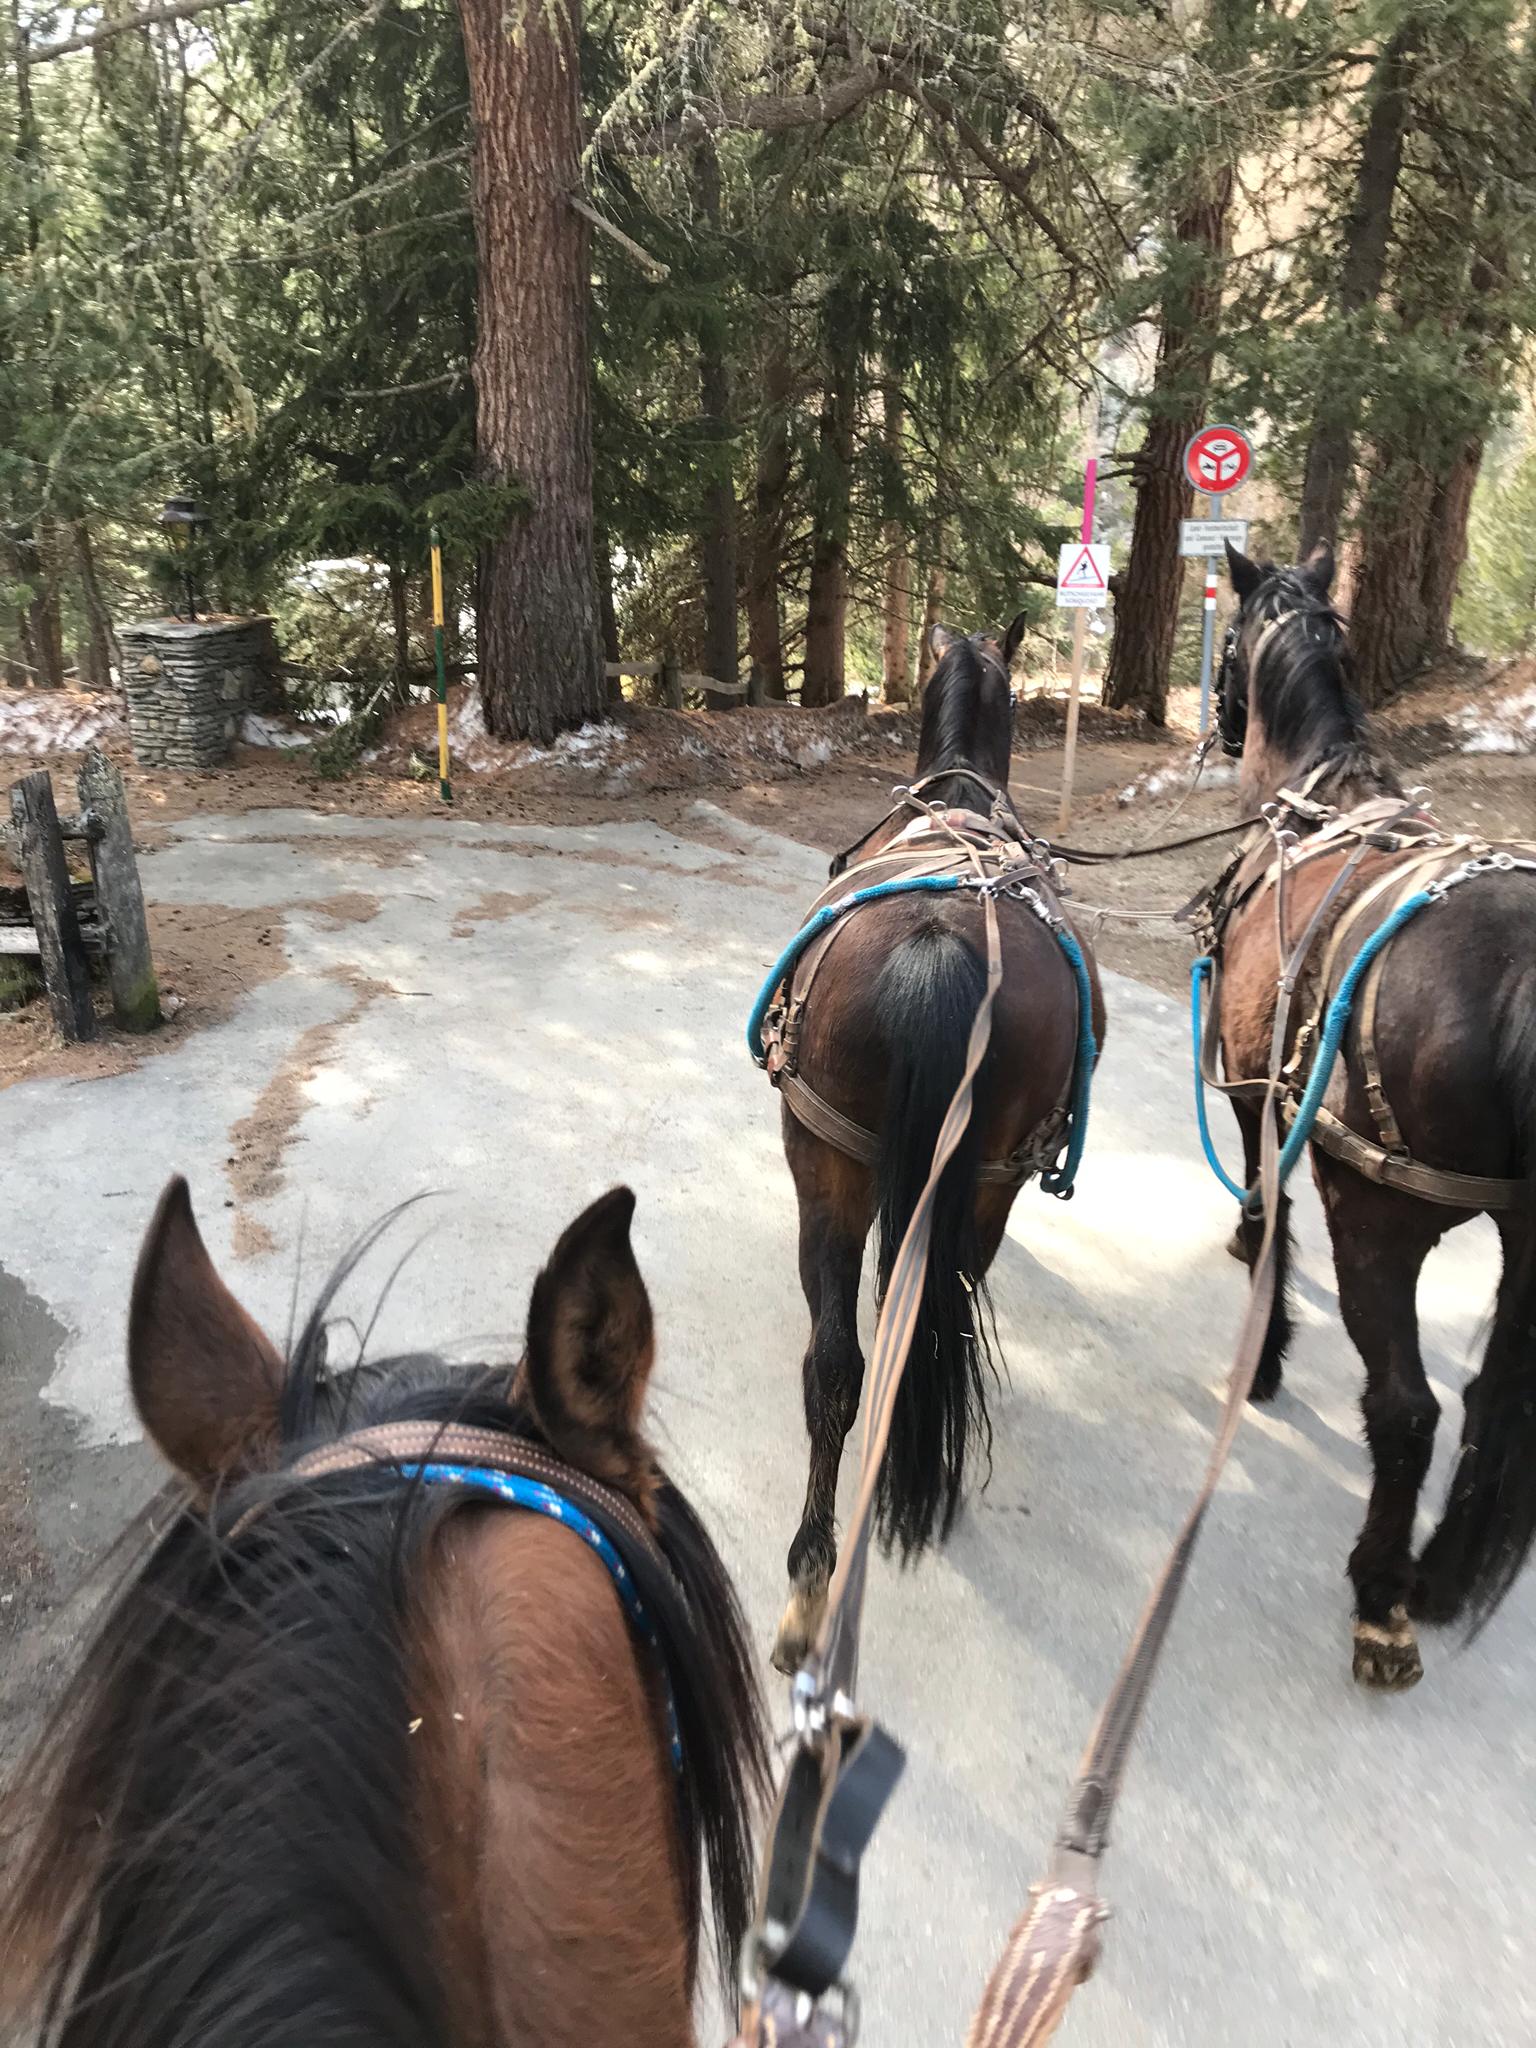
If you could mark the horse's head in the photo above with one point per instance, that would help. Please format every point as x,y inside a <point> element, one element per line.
<point>968,702</point>
<point>373,1745</point>
<point>1282,686</point>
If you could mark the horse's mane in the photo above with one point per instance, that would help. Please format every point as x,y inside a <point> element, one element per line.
<point>213,1843</point>
<point>1311,712</point>
<point>967,714</point>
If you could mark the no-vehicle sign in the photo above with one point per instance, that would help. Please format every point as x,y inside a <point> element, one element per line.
<point>1217,460</point>
<point>1082,575</point>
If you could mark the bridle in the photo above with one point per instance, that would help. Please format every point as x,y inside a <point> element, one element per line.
<point>1234,690</point>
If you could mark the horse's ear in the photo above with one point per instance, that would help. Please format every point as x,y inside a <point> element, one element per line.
<point>1246,576</point>
<point>1318,567</point>
<point>591,1343</point>
<point>940,640</point>
<point>206,1380</point>
<point>1012,638</point>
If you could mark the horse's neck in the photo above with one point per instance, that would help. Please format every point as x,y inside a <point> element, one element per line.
<point>548,1800</point>
<point>1342,779</point>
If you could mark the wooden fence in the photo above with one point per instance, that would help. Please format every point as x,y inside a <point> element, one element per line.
<point>62,923</point>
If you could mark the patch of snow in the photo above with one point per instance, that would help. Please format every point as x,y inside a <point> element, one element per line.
<point>813,755</point>
<point>56,721</point>
<point>1507,727</point>
<point>258,731</point>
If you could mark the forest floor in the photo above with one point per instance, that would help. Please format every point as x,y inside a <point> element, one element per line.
<point>817,777</point>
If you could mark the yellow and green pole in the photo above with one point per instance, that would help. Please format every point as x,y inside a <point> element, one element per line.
<point>444,786</point>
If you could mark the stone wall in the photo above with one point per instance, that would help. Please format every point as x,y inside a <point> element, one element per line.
<point>189,685</point>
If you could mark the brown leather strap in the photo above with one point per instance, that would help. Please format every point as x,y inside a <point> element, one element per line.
<point>1431,1183</point>
<point>834,1661</point>
<point>857,1141</point>
<point>453,1443</point>
<point>1050,1952</point>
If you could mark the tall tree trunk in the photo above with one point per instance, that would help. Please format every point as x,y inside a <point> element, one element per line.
<point>1367,235</point>
<point>539,645</point>
<point>717,528</point>
<point>765,632</point>
<point>826,614</point>
<point>933,612</point>
<point>896,647</point>
<point>36,560</point>
<point>101,642</point>
<point>1147,606</point>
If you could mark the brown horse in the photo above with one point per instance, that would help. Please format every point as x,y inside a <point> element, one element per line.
<point>882,1041</point>
<point>1445,1071</point>
<point>363,1759</point>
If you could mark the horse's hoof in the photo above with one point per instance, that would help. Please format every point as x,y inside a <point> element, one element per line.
<point>1387,1659</point>
<point>797,1630</point>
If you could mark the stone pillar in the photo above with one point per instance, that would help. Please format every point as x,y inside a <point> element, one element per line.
<point>190,683</point>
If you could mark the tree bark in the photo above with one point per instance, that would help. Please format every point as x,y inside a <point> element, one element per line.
<point>933,612</point>
<point>538,638</point>
<point>896,648</point>
<point>717,528</point>
<point>1147,608</point>
<point>826,614</point>
<point>100,653</point>
<point>765,632</point>
<point>36,562</point>
<point>1367,234</point>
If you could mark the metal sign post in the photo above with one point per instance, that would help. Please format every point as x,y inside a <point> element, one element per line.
<point>1216,460</point>
<point>1082,583</point>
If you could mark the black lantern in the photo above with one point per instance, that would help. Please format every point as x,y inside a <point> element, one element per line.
<point>181,519</point>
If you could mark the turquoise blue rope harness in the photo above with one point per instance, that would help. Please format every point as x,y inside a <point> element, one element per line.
<point>1056,1182</point>
<point>520,1492</point>
<point>1334,1027</point>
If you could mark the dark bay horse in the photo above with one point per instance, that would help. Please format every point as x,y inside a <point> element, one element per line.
<point>362,1759</point>
<point>1447,1068</point>
<point>882,1042</point>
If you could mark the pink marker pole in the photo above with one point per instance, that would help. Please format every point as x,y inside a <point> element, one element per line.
<point>1079,646</point>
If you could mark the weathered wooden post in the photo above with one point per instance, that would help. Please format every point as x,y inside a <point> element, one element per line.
<point>61,950</point>
<point>119,898</point>
<point>671,683</point>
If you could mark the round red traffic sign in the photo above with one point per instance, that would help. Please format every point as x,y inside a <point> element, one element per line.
<point>1217,459</point>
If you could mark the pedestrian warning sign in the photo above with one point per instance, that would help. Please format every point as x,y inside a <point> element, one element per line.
<point>1082,576</point>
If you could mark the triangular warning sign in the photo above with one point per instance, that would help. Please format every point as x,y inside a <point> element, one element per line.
<point>1082,572</point>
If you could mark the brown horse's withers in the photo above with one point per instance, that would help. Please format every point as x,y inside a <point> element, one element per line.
<point>882,1041</point>
<point>366,1760</point>
<point>1453,1036</point>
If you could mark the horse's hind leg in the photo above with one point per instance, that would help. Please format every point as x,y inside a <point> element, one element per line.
<point>1246,1240</point>
<point>1380,1242</point>
<point>836,1204</point>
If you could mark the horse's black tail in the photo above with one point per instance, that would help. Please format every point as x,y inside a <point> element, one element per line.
<point>1489,1522</point>
<point>926,1000</point>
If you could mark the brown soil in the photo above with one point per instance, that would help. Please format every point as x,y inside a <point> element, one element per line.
<point>260,1140</point>
<point>207,957</point>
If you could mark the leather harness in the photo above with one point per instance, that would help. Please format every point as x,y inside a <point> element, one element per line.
<point>938,841</point>
<point>1420,853</point>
